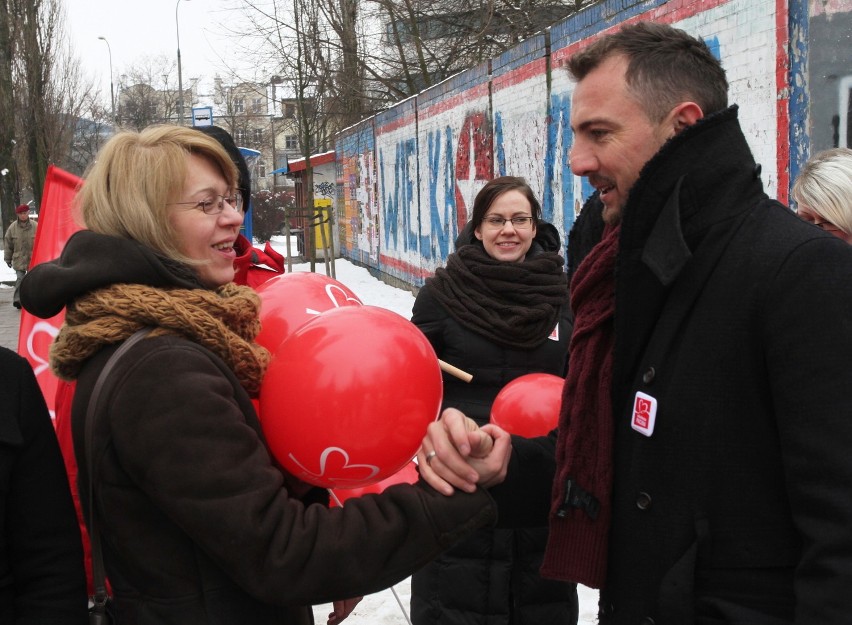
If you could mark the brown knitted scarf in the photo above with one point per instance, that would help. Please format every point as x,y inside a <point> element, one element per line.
<point>225,321</point>
<point>515,305</point>
<point>581,510</point>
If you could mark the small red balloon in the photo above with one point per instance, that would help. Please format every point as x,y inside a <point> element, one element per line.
<point>529,405</point>
<point>347,397</point>
<point>290,300</point>
<point>406,475</point>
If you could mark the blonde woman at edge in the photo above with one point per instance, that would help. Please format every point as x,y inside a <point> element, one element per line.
<point>823,192</point>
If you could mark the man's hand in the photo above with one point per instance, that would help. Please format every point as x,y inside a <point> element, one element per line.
<point>457,453</point>
<point>342,609</point>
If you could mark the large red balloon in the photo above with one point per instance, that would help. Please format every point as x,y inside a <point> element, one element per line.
<point>529,405</point>
<point>290,300</point>
<point>406,475</point>
<point>347,397</point>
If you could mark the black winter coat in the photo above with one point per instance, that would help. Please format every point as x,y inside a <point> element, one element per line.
<point>736,317</point>
<point>42,581</point>
<point>492,577</point>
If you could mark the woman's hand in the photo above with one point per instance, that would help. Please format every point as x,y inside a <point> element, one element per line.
<point>457,453</point>
<point>342,609</point>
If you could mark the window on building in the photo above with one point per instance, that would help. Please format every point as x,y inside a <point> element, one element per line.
<point>257,105</point>
<point>291,142</point>
<point>239,105</point>
<point>240,136</point>
<point>288,109</point>
<point>258,135</point>
<point>261,169</point>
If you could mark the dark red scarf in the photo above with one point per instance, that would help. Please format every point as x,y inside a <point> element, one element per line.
<point>581,508</point>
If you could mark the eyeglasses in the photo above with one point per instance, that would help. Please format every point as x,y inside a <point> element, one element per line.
<point>216,204</point>
<point>519,223</point>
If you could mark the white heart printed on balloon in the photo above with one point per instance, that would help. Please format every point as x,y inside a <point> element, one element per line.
<point>40,364</point>
<point>332,291</point>
<point>374,470</point>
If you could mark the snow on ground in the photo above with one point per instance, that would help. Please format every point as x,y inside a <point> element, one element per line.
<point>383,608</point>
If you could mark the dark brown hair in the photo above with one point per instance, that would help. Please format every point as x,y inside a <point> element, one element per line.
<point>666,66</point>
<point>497,187</point>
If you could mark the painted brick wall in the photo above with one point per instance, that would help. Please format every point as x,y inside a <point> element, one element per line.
<point>454,159</point>
<point>397,192</point>
<point>357,207</point>
<point>433,152</point>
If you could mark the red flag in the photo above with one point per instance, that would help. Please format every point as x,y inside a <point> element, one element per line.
<point>56,223</point>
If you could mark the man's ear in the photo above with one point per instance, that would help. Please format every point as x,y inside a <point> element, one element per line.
<point>684,115</point>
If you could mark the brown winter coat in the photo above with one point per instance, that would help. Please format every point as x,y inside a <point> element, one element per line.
<point>18,244</point>
<point>198,525</point>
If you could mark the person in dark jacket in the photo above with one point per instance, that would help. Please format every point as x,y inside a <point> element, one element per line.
<point>498,310</point>
<point>41,556</point>
<point>198,524</point>
<point>703,471</point>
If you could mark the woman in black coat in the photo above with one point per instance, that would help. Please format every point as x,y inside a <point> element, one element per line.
<point>499,310</point>
<point>41,556</point>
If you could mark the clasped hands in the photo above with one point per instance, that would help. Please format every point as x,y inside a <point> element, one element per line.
<point>457,453</point>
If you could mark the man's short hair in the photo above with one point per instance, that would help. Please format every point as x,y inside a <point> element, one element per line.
<point>666,66</point>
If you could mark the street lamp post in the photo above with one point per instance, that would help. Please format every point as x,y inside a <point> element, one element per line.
<point>180,75</point>
<point>111,89</point>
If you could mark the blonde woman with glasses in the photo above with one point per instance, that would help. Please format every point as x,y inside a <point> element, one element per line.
<point>197,524</point>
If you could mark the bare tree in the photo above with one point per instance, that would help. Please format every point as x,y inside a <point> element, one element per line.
<point>94,127</point>
<point>374,53</point>
<point>148,93</point>
<point>49,87</point>
<point>9,186</point>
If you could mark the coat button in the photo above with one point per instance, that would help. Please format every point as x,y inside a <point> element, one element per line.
<point>643,501</point>
<point>649,375</point>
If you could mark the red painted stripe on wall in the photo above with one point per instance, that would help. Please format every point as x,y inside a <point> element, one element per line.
<point>533,69</point>
<point>782,110</point>
<point>467,96</point>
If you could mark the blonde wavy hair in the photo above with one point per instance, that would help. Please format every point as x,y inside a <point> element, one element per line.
<point>137,175</point>
<point>825,187</point>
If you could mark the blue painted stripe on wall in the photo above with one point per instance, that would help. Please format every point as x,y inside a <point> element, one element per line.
<point>530,50</point>
<point>594,19</point>
<point>456,84</point>
<point>797,81</point>
<point>399,110</point>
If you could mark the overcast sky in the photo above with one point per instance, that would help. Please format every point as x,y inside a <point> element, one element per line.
<point>136,28</point>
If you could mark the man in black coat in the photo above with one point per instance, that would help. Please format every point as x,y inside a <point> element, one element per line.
<point>702,471</point>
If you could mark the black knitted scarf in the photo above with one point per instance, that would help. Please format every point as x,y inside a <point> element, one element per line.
<point>515,305</point>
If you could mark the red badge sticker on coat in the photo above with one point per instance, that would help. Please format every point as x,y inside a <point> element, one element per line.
<point>554,336</point>
<point>644,413</point>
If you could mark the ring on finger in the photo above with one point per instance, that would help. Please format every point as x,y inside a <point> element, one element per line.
<point>430,455</point>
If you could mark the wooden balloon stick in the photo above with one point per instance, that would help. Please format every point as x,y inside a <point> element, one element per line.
<point>455,371</point>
